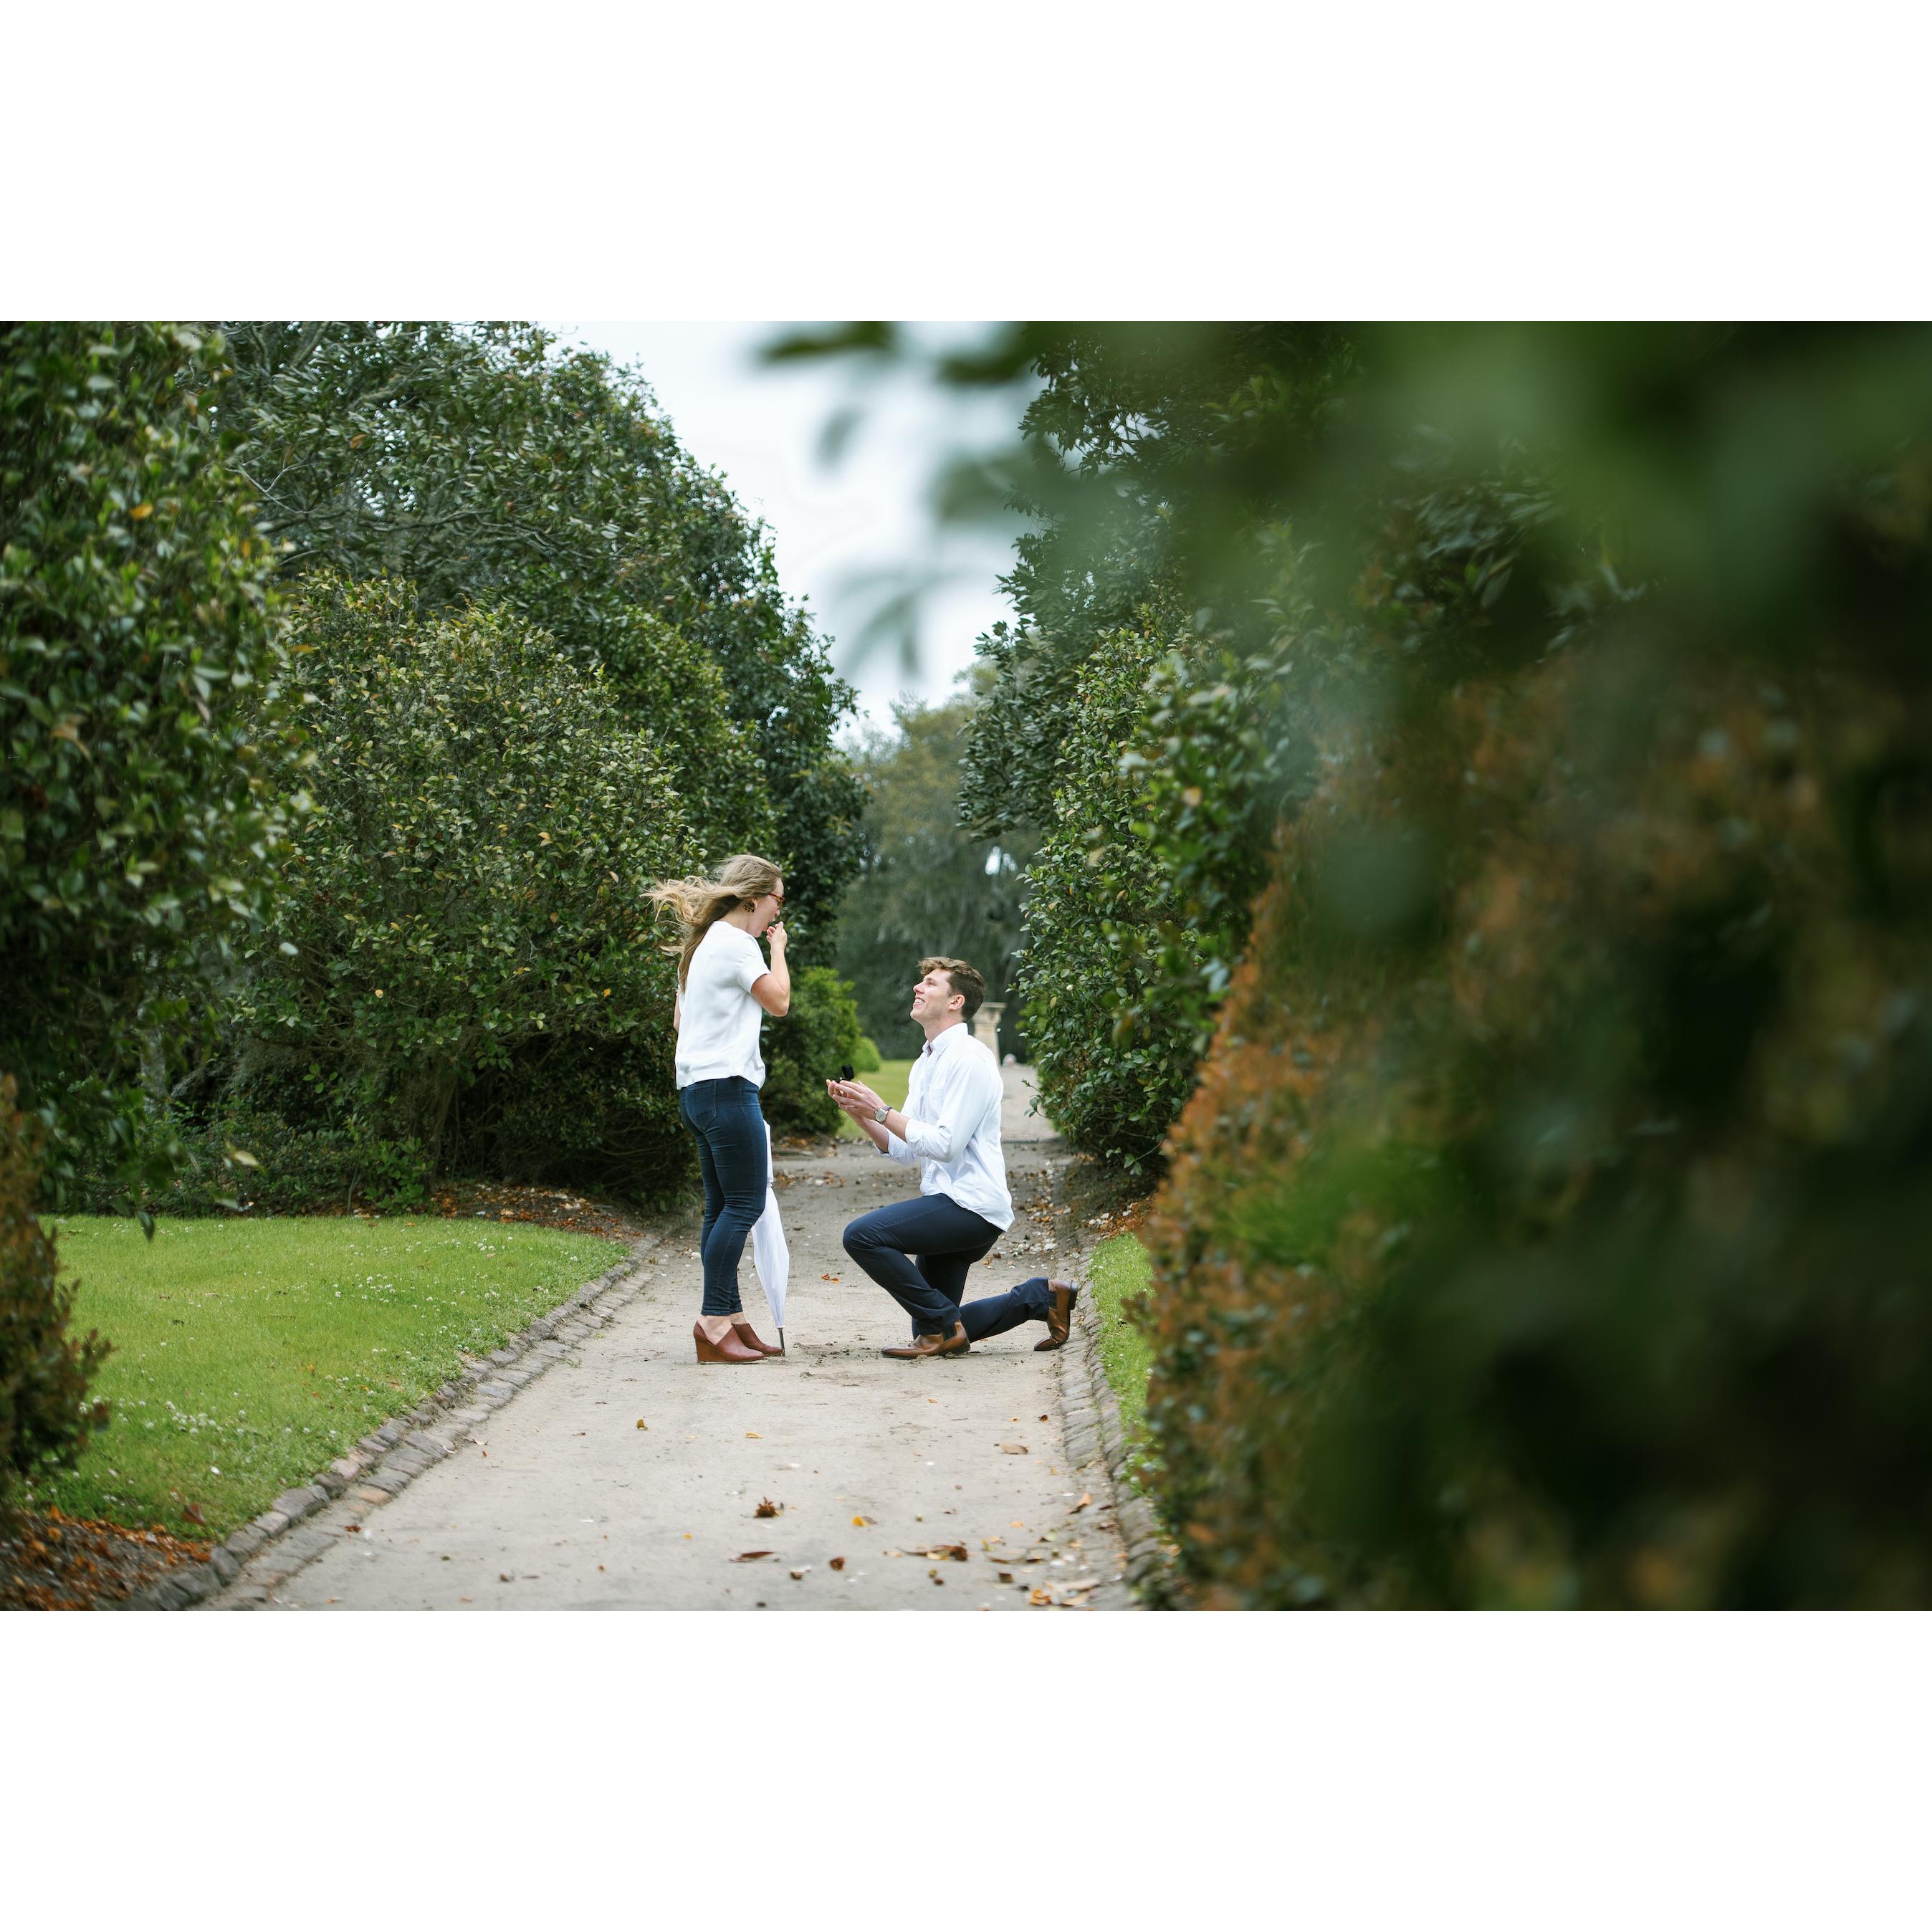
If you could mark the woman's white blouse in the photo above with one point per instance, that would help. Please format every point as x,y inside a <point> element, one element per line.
<point>718,1020</point>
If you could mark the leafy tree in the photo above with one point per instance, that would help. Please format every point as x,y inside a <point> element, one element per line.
<point>1138,468</point>
<point>461,956</point>
<point>484,464</point>
<point>1113,1073</point>
<point>146,789</point>
<point>928,885</point>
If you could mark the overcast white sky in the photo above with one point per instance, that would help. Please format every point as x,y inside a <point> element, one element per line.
<point>835,527</point>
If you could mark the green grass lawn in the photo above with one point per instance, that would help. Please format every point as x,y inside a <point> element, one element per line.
<point>247,1354</point>
<point>1119,1272</point>
<point>889,1083</point>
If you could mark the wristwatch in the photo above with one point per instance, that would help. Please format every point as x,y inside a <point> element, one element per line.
<point>880,1115</point>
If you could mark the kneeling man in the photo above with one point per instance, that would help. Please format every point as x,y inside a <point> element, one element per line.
<point>918,1251</point>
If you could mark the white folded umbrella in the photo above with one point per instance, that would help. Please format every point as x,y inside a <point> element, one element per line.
<point>769,1255</point>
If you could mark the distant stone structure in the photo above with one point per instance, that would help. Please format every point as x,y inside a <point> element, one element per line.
<point>986,1025</point>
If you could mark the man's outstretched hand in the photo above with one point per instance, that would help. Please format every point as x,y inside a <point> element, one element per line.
<point>856,1097</point>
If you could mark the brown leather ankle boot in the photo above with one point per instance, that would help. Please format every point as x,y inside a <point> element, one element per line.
<point>730,1349</point>
<point>1059,1315</point>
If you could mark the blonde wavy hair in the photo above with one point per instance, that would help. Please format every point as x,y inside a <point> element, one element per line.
<point>700,903</point>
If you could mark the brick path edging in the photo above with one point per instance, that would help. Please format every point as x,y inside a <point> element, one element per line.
<point>385,1461</point>
<point>1092,1413</point>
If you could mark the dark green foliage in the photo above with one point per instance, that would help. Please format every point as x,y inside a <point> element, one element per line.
<point>461,958</point>
<point>145,789</point>
<point>486,465</point>
<point>45,1416</point>
<point>929,887</point>
<point>806,1049</point>
<point>1549,1226</point>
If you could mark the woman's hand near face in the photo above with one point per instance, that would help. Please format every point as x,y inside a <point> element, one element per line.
<point>775,934</point>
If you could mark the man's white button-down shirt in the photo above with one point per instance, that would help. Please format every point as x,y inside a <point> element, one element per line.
<point>952,1126</point>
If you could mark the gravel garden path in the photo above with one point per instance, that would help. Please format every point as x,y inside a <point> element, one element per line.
<point>623,1475</point>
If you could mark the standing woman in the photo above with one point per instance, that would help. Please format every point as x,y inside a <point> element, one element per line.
<point>724,989</point>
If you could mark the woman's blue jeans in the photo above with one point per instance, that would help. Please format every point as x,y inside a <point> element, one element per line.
<point>723,1115</point>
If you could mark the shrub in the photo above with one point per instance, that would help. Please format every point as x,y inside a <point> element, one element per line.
<point>807,1048</point>
<point>45,1416</point>
<point>143,791</point>
<point>865,1057</point>
<point>464,908</point>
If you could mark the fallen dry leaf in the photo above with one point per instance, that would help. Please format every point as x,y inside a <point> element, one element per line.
<point>1085,1498</point>
<point>642,1423</point>
<point>799,1572</point>
<point>1014,1449</point>
<point>752,1435</point>
<point>193,1512</point>
<point>752,1556</point>
<point>936,1576</point>
<point>1006,1576</point>
<point>863,1522</point>
<point>767,1507</point>
<point>1042,1418</point>
<point>837,1563</point>
<point>1037,1595</point>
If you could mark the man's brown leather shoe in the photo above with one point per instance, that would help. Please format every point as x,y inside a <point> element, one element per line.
<point>926,1346</point>
<point>1059,1315</point>
<point>747,1334</point>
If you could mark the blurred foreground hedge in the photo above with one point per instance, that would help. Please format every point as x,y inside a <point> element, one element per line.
<point>1552,1223</point>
